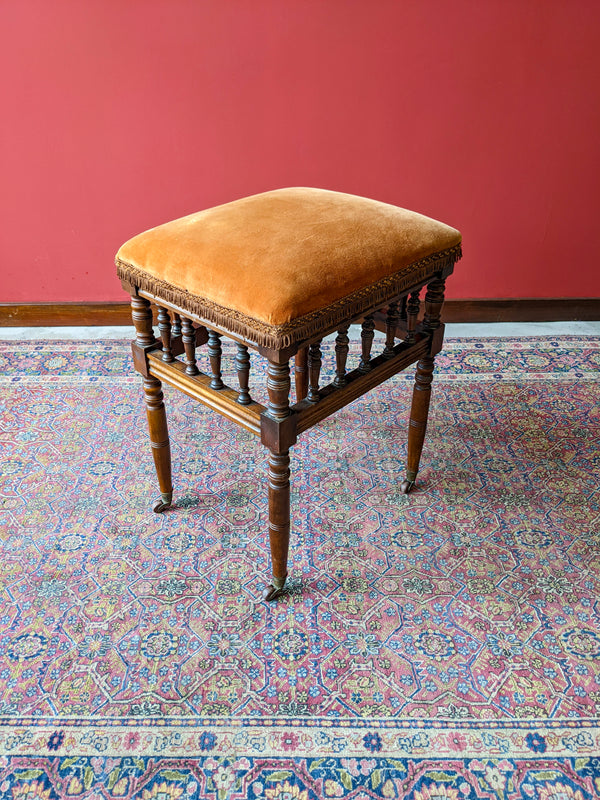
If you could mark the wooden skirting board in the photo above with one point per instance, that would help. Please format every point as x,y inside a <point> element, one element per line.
<point>554,309</point>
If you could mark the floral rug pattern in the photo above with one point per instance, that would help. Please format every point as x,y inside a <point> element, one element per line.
<point>440,645</point>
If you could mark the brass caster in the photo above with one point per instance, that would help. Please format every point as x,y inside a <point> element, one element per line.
<point>406,486</point>
<point>163,503</point>
<point>274,590</point>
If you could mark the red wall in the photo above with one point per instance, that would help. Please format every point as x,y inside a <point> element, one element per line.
<point>120,114</point>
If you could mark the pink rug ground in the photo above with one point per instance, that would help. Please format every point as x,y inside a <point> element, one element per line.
<point>444,644</point>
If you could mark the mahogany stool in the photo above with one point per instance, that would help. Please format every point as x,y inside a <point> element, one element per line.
<point>277,272</point>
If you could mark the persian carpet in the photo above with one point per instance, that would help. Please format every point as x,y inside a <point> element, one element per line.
<point>444,644</point>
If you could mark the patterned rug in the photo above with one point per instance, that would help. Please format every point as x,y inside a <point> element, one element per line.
<point>442,645</point>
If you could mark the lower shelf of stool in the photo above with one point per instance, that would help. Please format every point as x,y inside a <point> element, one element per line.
<point>223,401</point>
<point>308,413</point>
<point>332,398</point>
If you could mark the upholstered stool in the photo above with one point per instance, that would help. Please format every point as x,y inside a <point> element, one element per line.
<point>276,272</point>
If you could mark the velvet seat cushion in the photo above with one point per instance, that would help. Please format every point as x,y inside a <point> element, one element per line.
<point>276,266</point>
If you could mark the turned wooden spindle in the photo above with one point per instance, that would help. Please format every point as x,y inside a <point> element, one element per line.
<point>314,371</point>
<point>278,407</point>
<point>188,334</point>
<point>434,300</point>
<point>242,364</point>
<point>366,335</point>
<point>402,309</point>
<point>301,373</point>
<point>176,329</point>
<point>391,324</point>
<point>141,314</point>
<point>214,354</point>
<point>341,355</point>
<point>412,313</point>
<point>164,327</point>
<point>159,440</point>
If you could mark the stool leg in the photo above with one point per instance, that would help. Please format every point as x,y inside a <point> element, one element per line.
<point>417,426</point>
<point>159,440</point>
<point>279,521</point>
<point>278,441</point>
<point>419,411</point>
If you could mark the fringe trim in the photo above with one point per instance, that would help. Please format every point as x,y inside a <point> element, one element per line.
<point>279,337</point>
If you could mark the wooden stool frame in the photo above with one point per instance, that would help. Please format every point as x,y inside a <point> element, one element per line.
<point>279,423</point>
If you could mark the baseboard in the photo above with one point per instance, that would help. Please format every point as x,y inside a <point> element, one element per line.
<point>553,309</point>
<point>64,314</point>
<point>535,309</point>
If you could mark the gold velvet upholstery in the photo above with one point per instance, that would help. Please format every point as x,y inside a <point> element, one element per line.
<point>277,266</point>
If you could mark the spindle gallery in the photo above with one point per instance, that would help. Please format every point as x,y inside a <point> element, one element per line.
<point>278,272</point>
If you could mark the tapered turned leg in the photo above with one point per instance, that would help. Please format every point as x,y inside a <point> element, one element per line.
<point>159,439</point>
<point>141,314</point>
<point>301,373</point>
<point>434,300</point>
<point>279,521</point>
<point>278,437</point>
<point>417,426</point>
